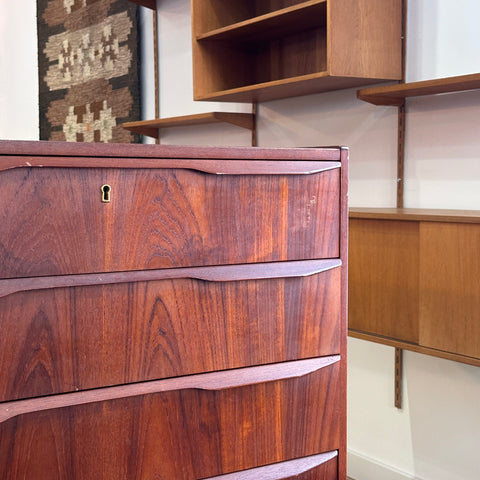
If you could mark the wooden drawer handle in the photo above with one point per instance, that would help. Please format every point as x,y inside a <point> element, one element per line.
<point>205,381</point>
<point>230,273</point>
<point>215,167</point>
<point>282,470</point>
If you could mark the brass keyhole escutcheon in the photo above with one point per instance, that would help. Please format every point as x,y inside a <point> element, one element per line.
<point>106,193</point>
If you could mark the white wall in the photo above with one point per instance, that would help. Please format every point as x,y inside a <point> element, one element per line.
<point>435,436</point>
<point>176,83</point>
<point>18,71</point>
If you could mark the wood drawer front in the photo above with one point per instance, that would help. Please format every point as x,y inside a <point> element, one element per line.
<point>64,339</point>
<point>53,221</point>
<point>184,428</point>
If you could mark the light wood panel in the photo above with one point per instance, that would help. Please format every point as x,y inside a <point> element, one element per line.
<point>383,279</point>
<point>414,280</point>
<point>450,279</point>
<point>365,39</point>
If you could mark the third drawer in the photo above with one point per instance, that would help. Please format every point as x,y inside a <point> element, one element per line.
<point>183,428</point>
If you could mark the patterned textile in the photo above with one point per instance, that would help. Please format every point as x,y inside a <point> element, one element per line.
<point>88,70</point>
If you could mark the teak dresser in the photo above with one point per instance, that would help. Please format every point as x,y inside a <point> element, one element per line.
<point>173,313</point>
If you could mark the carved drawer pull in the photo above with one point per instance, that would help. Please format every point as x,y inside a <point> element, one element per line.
<point>282,470</point>
<point>230,273</point>
<point>209,166</point>
<point>205,381</point>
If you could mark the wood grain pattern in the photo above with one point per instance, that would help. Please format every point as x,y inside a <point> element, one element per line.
<point>185,434</point>
<point>450,289</point>
<point>161,218</point>
<point>119,366</point>
<point>67,339</point>
<point>365,38</point>
<point>413,280</point>
<point>316,467</point>
<point>383,278</point>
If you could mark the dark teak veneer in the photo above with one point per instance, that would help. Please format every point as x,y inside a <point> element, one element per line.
<point>172,312</point>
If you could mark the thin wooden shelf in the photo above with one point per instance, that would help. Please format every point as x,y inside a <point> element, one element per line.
<point>150,127</point>
<point>412,347</point>
<point>307,84</point>
<point>288,20</point>
<point>395,94</point>
<point>416,214</point>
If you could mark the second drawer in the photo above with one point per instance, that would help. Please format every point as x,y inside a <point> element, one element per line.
<point>69,333</point>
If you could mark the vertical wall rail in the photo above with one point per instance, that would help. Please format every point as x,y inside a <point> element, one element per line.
<point>398,374</point>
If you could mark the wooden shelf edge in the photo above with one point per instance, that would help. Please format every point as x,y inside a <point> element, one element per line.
<point>146,3</point>
<point>289,14</point>
<point>150,127</point>
<point>413,347</point>
<point>416,214</point>
<point>394,95</point>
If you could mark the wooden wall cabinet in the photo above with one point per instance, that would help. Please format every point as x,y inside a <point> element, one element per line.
<point>258,50</point>
<point>190,326</point>
<point>413,280</point>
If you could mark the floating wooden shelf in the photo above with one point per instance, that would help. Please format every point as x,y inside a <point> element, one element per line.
<point>150,127</point>
<point>413,280</point>
<point>395,94</point>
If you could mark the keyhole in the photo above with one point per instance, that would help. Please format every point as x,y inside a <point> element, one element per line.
<point>106,190</point>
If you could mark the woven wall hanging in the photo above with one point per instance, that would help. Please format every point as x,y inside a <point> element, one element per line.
<point>88,70</point>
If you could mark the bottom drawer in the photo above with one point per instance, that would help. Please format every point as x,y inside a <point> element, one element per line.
<point>183,428</point>
<point>323,466</point>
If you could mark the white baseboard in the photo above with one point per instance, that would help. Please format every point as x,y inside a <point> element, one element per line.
<point>360,467</point>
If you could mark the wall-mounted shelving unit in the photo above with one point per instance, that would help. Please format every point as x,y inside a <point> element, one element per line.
<point>260,50</point>
<point>414,273</point>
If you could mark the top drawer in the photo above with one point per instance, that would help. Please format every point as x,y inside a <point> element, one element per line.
<point>165,213</point>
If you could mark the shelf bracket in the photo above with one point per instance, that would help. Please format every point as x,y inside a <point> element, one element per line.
<point>398,377</point>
